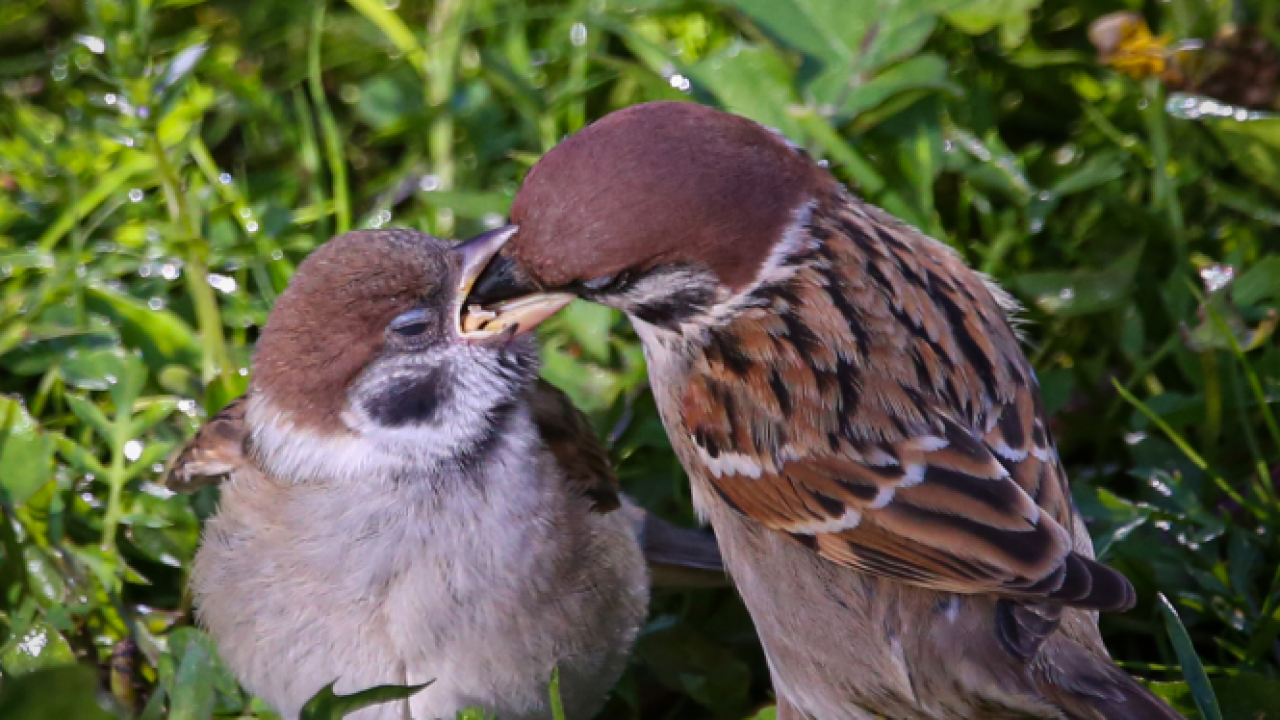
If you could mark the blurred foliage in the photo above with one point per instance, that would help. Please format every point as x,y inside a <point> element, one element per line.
<point>164,165</point>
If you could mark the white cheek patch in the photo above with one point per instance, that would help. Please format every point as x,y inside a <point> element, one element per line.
<point>290,453</point>
<point>367,451</point>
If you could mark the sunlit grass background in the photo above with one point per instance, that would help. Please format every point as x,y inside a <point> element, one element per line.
<point>164,165</point>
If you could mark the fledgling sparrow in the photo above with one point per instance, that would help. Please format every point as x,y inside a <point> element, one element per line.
<point>403,502</point>
<point>854,412</point>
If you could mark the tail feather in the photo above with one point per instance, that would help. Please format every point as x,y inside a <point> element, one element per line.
<point>681,557</point>
<point>1090,584</point>
<point>1087,687</point>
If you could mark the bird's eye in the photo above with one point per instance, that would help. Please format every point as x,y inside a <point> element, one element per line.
<point>599,283</point>
<point>609,283</point>
<point>410,324</point>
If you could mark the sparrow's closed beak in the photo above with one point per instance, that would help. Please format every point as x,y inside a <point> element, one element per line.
<point>489,297</point>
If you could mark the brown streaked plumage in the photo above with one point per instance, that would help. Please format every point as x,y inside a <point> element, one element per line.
<point>213,453</point>
<point>856,417</point>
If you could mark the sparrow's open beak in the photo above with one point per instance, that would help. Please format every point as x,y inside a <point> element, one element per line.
<point>499,302</point>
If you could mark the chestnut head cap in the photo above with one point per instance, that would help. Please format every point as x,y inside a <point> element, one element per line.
<point>659,184</point>
<point>373,318</point>
<point>332,320</point>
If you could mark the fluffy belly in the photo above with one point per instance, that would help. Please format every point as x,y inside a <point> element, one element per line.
<point>289,622</point>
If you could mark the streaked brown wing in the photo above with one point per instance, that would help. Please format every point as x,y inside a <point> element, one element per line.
<point>877,408</point>
<point>569,437</point>
<point>212,453</point>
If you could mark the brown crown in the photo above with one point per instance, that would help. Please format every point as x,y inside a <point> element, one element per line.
<point>328,325</point>
<point>660,183</point>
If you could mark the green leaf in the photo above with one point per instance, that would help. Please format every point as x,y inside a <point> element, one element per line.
<point>186,640</point>
<point>850,41</point>
<point>120,373</point>
<point>807,27</point>
<point>386,102</point>
<point>39,645</point>
<point>1246,696</point>
<point>78,457</point>
<point>1177,694</point>
<point>192,695</point>
<point>162,336</point>
<point>61,692</point>
<point>1252,139</point>
<point>26,453</point>
<point>1192,669</point>
<point>91,415</point>
<point>685,660</point>
<point>753,81</point>
<point>149,411</point>
<point>920,72</point>
<point>980,16</point>
<point>1260,282</point>
<point>1097,170</point>
<point>1081,292</point>
<point>45,347</point>
<point>326,705</point>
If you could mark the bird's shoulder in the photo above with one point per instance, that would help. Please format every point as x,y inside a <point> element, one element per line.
<point>567,434</point>
<point>213,453</point>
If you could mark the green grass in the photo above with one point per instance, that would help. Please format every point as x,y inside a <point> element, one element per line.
<point>164,165</point>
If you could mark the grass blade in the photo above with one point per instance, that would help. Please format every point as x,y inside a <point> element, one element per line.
<point>1192,669</point>
<point>328,126</point>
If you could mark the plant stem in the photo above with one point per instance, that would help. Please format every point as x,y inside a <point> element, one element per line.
<point>445,30</point>
<point>215,358</point>
<point>328,126</point>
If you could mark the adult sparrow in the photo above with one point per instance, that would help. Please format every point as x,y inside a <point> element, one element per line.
<point>854,412</point>
<point>402,501</point>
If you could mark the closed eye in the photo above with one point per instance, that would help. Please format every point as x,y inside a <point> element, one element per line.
<point>610,284</point>
<point>411,324</point>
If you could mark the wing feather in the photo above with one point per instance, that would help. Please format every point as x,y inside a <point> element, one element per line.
<point>213,453</point>
<point>876,407</point>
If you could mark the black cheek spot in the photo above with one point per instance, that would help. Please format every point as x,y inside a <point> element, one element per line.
<point>672,309</point>
<point>412,402</point>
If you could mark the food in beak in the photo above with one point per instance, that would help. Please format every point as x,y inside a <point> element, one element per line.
<point>522,314</point>
<point>516,315</point>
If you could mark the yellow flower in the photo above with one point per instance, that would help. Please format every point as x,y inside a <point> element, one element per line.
<point>1126,43</point>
